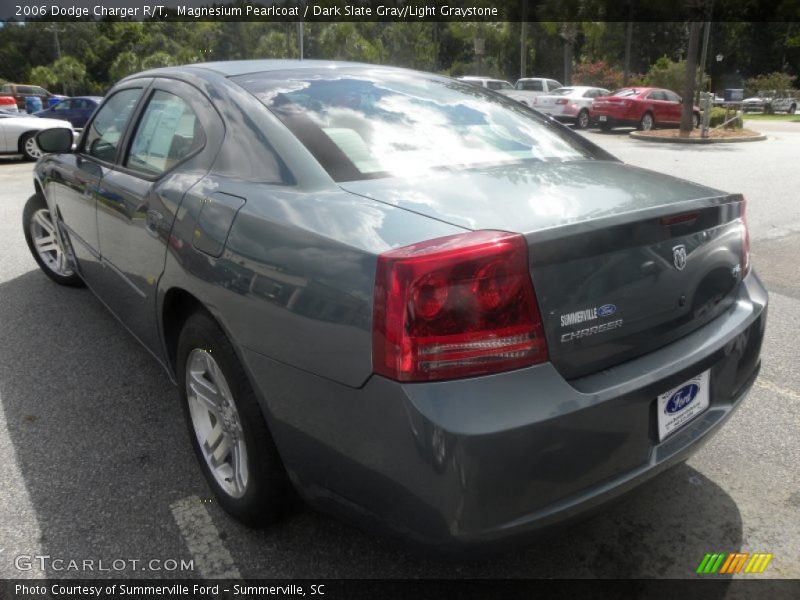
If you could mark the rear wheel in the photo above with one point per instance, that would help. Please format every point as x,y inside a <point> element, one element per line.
<point>647,122</point>
<point>28,146</point>
<point>228,431</point>
<point>695,121</point>
<point>582,122</point>
<point>45,245</point>
<point>792,109</point>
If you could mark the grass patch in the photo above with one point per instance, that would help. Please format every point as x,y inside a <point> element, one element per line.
<point>761,117</point>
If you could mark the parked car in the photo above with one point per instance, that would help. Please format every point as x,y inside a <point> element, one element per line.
<point>75,110</point>
<point>8,104</point>
<point>498,85</point>
<point>21,92</point>
<point>760,103</point>
<point>785,101</point>
<point>18,131</point>
<point>570,103</point>
<point>642,107</point>
<point>528,88</point>
<point>409,298</point>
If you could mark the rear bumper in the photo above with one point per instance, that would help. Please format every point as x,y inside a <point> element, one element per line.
<point>481,460</point>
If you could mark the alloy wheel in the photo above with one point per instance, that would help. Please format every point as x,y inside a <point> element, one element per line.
<point>216,423</point>
<point>47,243</point>
<point>647,122</point>
<point>583,119</point>
<point>32,149</point>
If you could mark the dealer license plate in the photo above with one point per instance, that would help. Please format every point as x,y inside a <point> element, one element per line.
<point>681,404</point>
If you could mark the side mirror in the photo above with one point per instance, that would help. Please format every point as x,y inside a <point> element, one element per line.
<point>55,140</point>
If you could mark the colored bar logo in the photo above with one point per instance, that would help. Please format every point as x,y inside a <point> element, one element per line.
<point>736,562</point>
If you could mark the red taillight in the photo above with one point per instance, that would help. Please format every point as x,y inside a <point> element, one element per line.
<point>562,101</point>
<point>456,306</point>
<point>745,242</point>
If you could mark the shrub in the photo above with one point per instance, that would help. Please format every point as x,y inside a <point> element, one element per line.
<point>598,73</point>
<point>718,118</point>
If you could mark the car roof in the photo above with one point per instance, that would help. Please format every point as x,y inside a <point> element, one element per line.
<point>232,68</point>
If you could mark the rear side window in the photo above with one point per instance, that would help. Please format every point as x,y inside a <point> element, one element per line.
<point>167,133</point>
<point>105,130</point>
<point>5,89</point>
<point>531,86</point>
<point>552,84</point>
<point>671,96</point>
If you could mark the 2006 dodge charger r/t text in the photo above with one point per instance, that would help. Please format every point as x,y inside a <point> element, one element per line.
<point>416,302</point>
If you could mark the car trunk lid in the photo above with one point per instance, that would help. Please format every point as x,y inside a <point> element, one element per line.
<point>623,260</point>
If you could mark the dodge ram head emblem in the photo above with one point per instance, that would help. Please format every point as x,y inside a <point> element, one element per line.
<point>679,257</point>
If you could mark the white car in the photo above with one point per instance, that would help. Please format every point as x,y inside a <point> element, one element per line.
<point>498,85</point>
<point>528,88</point>
<point>570,103</point>
<point>17,133</point>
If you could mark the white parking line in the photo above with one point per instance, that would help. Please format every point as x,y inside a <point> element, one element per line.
<point>210,555</point>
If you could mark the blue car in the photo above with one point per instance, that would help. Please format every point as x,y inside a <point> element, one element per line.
<point>75,110</point>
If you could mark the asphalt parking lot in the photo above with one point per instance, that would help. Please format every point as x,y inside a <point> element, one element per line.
<point>95,461</point>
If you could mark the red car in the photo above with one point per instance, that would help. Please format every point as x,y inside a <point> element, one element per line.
<point>642,107</point>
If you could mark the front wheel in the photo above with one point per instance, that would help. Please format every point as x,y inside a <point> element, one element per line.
<point>582,122</point>
<point>28,146</point>
<point>228,431</point>
<point>44,243</point>
<point>647,122</point>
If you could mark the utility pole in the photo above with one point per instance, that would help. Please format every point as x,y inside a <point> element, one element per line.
<point>54,28</point>
<point>523,49</point>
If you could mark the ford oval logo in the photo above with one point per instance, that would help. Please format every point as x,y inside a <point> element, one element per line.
<point>606,310</point>
<point>682,398</point>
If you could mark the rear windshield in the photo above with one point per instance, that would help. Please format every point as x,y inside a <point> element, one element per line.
<point>626,92</point>
<point>367,123</point>
<point>561,92</point>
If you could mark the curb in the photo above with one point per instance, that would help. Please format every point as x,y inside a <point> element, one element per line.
<point>679,140</point>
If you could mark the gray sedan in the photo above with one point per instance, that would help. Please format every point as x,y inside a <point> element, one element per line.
<point>417,303</point>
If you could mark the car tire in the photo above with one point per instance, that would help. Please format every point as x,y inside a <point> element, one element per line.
<point>695,120</point>
<point>582,120</point>
<point>647,122</point>
<point>792,109</point>
<point>45,245</point>
<point>28,146</point>
<point>605,127</point>
<point>228,431</point>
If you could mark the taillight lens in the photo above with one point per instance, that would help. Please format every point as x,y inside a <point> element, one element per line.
<point>456,306</point>
<point>745,242</point>
<point>562,101</point>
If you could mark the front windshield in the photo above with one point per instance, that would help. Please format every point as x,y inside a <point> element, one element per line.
<point>366,123</point>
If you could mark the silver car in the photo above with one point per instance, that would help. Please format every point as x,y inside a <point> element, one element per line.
<point>415,302</point>
<point>570,104</point>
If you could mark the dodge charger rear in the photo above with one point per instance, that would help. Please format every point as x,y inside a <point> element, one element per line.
<point>417,303</point>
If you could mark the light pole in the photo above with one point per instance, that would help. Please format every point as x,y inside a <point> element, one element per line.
<point>480,47</point>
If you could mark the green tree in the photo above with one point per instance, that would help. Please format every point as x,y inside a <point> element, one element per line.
<point>69,72</point>
<point>42,76</point>
<point>159,59</point>
<point>124,64</point>
<point>776,81</point>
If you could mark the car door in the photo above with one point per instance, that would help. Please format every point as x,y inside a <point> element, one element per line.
<point>73,183</point>
<point>63,110</point>
<point>656,103</point>
<point>171,147</point>
<point>674,106</point>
